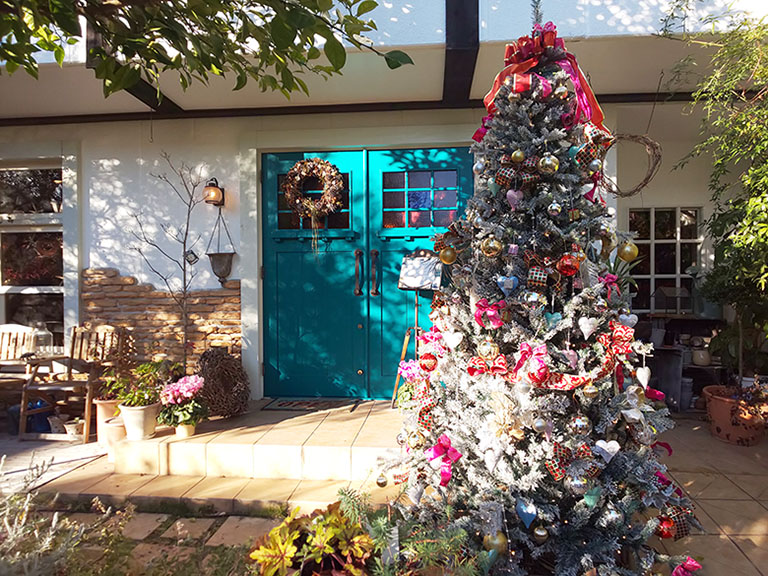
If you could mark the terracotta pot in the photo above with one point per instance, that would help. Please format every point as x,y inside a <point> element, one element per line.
<point>114,432</point>
<point>185,430</point>
<point>729,421</point>
<point>105,409</point>
<point>140,421</point>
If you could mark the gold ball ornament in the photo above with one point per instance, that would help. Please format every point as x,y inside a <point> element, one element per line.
<point>496,542</point>
<point>416,440</point>
<point>628,251</point>
<point>513,96</point>
<point>548,164</point>
<point>448,255</point>
<point>560,92</point>
<point>518,156</point>
<point>590,391</point>
<point>491,247</point>
<point>540,534</point>
<point>381,481</point>
<point>488,349</point>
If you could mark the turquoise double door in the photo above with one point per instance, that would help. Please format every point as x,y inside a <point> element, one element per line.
<point>334,317</point>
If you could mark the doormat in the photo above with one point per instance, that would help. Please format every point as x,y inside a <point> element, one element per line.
<point>304,404</point>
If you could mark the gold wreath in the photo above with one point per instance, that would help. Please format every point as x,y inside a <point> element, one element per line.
<point>306,207</point>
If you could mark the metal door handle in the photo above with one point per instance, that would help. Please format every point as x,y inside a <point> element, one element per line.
<point>358,262</point>
<point>374,266</point>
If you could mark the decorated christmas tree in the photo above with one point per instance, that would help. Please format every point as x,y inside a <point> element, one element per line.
<point>529,421</point>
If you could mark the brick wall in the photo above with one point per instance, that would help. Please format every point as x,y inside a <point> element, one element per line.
<point>154,317</point>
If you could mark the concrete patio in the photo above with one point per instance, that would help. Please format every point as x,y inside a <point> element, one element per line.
<point>729,484</point>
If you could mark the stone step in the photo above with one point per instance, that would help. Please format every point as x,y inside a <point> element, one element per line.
<point>231,495</point>
<point>335,445</point>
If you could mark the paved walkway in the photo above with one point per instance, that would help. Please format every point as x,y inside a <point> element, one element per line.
<point>729,485</point>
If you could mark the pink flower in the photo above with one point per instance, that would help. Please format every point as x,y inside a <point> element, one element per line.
<point>182,390</point>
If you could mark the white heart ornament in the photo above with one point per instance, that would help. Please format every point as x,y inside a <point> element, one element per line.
<point>587,326</point>
<point>607,450</point>
<point>643,375</point>
<point>628,319</point>
<point>453,339</point>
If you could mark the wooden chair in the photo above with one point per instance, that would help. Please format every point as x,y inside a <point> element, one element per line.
<point>15,341</point>
<point>92,349</point>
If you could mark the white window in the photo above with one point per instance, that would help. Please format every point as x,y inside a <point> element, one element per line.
<point>31,256</point>
<point>669,242</point>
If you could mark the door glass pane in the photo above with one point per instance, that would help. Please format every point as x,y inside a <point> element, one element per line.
<point>689,223</point>
<point>419,219</point>
<point>689,255</point>
<point>445,178</point>
<point>393,219</point>
<point>418,200</point>
<point>443,217</point>
<point>445,198</point>
<point>666,259</point>
<point>420,179</point>
<point>666,225</point>
<point>394,199</point>
<point>394,180</point>
<point>642,300</point>
<point>30,191</point>
<point>640,222</point>
<point>32,259</point>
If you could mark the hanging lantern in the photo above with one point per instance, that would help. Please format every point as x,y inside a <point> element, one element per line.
<point>213,194</point>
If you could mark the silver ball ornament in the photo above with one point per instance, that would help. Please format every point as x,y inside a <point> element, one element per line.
<point>590,391</point>
<point>478,167</point>
<point>612,516</point>
<point>554,209</point>
<point>523,387</point>
<point>601,305</point>
<point>540,425</point>
<point>560,92</point>
<point>594,167</point>
<point>577,485</point>
<point>579,425</point>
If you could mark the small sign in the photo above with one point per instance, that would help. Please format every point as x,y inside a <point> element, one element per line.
<point>421,270</point>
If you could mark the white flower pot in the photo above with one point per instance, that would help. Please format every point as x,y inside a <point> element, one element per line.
<point>185,430</point>
<point>140,421</point>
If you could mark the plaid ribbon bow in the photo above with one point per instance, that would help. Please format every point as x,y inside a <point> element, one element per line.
<point>563,456</point>
<point>479,365</point>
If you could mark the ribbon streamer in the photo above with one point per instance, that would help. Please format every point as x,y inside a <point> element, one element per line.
<point>479,365</point>
<point>563,456</point>
<point>611,283</point>
<point>617,342</point>
<point>449,454</point>
<point>492,311</point>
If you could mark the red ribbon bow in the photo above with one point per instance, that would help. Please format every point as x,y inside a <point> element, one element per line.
<point>492,311</point>
<point>563,456</point>
<point>618,341</point>
<point>611,282</point>
<point>527,352</point>
<point>450,456</point>
<point>687,568</point>
<point>481,132</point>
<point>434,337</point>
<point>479,365</point>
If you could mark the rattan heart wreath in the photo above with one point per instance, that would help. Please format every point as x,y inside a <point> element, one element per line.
<point>306,207</point>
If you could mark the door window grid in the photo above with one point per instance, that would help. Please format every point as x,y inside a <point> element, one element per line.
<point>31,248</point>
<point>669,242</point>
<point>419,198</point>
<point>287,219</point>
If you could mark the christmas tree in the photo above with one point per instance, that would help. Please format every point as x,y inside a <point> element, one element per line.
<point>529,421</point>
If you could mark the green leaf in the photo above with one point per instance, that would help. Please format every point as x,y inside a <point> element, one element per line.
<point>396,58</point>
<point>11,66</point>
<point>324,5</point>
<point>242,80</point>
<point>64,16</point>
<point>58,53</point>
<point>282,33</point>
<point>366,6</point>
<point>335,53</point>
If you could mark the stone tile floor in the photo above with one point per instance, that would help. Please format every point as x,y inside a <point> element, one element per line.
<point>728,484</point>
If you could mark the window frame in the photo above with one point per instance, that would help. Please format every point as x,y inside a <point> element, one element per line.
<point>677,241</point>
<point>14,223</point>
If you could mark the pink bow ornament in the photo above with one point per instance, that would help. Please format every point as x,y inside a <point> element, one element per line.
<point>687,568</point>
<point>536,358</point>
<point>449,456</point>
<point>492,311</point>
<point>610,281</point>
<point>435,338</point>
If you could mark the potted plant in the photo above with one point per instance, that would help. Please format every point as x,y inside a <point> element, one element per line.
<point>733,417</point>
<point>182,407</point>
<point>140,398</point>
<point>107,401</point>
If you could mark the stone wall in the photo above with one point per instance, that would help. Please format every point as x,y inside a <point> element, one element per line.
<point>155,319</point>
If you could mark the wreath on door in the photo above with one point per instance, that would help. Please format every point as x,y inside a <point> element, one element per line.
<point>306,207</point>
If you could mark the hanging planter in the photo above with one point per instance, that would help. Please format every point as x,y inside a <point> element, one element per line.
<point>221,261</point>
